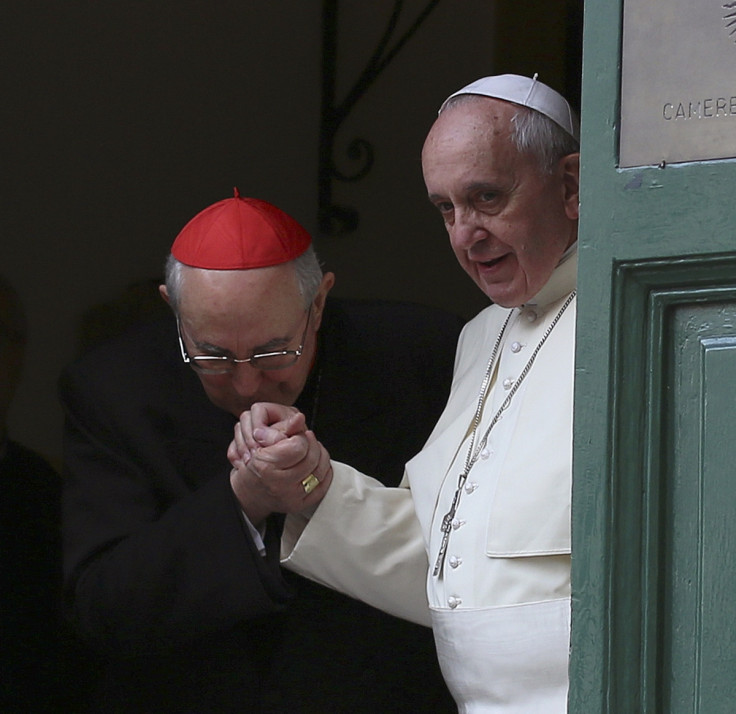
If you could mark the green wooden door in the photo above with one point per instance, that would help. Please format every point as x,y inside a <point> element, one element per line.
<point>654,495</point>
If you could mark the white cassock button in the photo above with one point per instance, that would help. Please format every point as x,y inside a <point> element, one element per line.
<point>486,453</point>
<point>470,487</point>
<point>508,383</point>
<point>456,523</point>
<point>531,315</point>
<point>455,561</point>
<point>453,602</point>
<point>516,347</point>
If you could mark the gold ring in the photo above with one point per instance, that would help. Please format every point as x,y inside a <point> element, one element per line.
<point>310,483</point>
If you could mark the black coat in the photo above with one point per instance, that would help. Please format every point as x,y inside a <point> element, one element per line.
<point>30,582</point>
<point>162,577</point>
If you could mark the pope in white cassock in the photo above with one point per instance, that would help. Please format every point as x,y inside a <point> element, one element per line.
<point>476,541</point>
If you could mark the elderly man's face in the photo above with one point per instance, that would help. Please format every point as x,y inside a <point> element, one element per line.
<point>508,222</point>
<point>242,312</point>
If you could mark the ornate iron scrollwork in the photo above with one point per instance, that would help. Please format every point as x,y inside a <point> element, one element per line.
<point>335,219</point>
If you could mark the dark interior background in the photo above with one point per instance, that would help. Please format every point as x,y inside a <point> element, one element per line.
<point>121,120</point>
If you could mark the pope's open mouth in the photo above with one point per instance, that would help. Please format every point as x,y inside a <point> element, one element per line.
<point>492,263</point>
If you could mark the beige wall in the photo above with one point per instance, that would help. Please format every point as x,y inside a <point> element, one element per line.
<point>122,120</point>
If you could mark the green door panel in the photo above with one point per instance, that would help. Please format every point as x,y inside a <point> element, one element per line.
<point>654,492</point>
<point>699,530</point>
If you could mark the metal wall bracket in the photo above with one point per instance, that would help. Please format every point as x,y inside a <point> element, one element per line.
<point>336,219</point>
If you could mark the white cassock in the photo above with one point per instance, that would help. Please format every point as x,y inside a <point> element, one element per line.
<point>500,607</point>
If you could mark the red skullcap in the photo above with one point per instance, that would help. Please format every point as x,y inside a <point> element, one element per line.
<point>239,234</point>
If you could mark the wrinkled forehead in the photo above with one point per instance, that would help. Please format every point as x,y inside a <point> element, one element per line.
<point>469,129</point>
<point>271,292</point>
<point>473,118</point>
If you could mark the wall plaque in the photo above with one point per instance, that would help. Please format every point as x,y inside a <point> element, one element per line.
<point>678,81</point>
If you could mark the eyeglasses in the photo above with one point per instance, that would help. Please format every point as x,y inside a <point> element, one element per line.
<point>225,364</point>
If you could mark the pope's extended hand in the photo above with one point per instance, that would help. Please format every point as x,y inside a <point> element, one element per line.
<point>278,465</point>
<point>265,424</point>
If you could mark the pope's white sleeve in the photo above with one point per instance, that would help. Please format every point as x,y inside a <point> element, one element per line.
<point>364,540</point>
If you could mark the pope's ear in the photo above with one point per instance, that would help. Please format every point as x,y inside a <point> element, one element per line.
<point>570,167</point>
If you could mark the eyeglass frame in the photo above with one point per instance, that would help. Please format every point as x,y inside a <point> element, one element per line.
<point>231,362</point>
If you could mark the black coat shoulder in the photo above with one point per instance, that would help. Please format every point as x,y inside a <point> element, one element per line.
<point>380,362</point>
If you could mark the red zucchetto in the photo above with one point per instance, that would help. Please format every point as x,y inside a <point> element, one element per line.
<point>239,234</point>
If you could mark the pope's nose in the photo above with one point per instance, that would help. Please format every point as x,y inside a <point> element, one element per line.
<point>467,230</point>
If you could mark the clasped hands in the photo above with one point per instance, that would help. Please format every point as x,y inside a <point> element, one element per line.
<point>273,455</point>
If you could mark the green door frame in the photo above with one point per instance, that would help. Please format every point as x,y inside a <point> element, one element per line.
<point>653,242</point>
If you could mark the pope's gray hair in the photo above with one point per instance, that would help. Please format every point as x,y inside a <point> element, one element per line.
<point>532,133</point>
<point>306,267</point>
